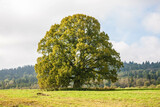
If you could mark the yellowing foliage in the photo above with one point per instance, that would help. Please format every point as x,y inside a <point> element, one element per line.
<point>76,51</point>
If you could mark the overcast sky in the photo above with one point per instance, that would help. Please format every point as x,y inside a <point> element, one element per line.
<point>132,25</point>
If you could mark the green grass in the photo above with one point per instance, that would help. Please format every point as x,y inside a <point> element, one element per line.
<point>111,98</point>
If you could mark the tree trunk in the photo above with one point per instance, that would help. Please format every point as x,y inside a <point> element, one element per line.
<point>77,84</point>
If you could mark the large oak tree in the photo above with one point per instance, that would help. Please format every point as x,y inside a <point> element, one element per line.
<point>76,51</point>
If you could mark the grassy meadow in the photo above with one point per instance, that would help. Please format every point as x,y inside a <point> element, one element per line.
<point>110,98</point>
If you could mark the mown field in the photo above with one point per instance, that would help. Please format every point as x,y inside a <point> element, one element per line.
<point>114,98</point>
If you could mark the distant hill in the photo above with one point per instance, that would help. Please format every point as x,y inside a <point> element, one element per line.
<point>131,75</point>
<point>18,77</point>
<point>138,75</point>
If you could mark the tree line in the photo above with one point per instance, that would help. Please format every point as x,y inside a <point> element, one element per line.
<point>21,77</point>
<point>132,75</point>
<point>139,75</point>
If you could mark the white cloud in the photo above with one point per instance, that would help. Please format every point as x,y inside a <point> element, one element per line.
<point>18,54</point>
<point>147,49</point>
<point>24,22</point>
<point>152,22</point>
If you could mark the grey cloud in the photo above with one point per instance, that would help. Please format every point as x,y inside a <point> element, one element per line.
<point>24,22</point>
<point>146,49</point>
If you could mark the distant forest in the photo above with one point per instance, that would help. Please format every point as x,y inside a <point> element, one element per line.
<point>132,75</point>
<point>139,75</point>
<point>21,77</point>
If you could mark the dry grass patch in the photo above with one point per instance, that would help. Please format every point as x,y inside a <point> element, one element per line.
<point>129,98</point>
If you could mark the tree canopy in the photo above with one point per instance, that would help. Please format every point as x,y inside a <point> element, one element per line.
<point>76,51</point>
